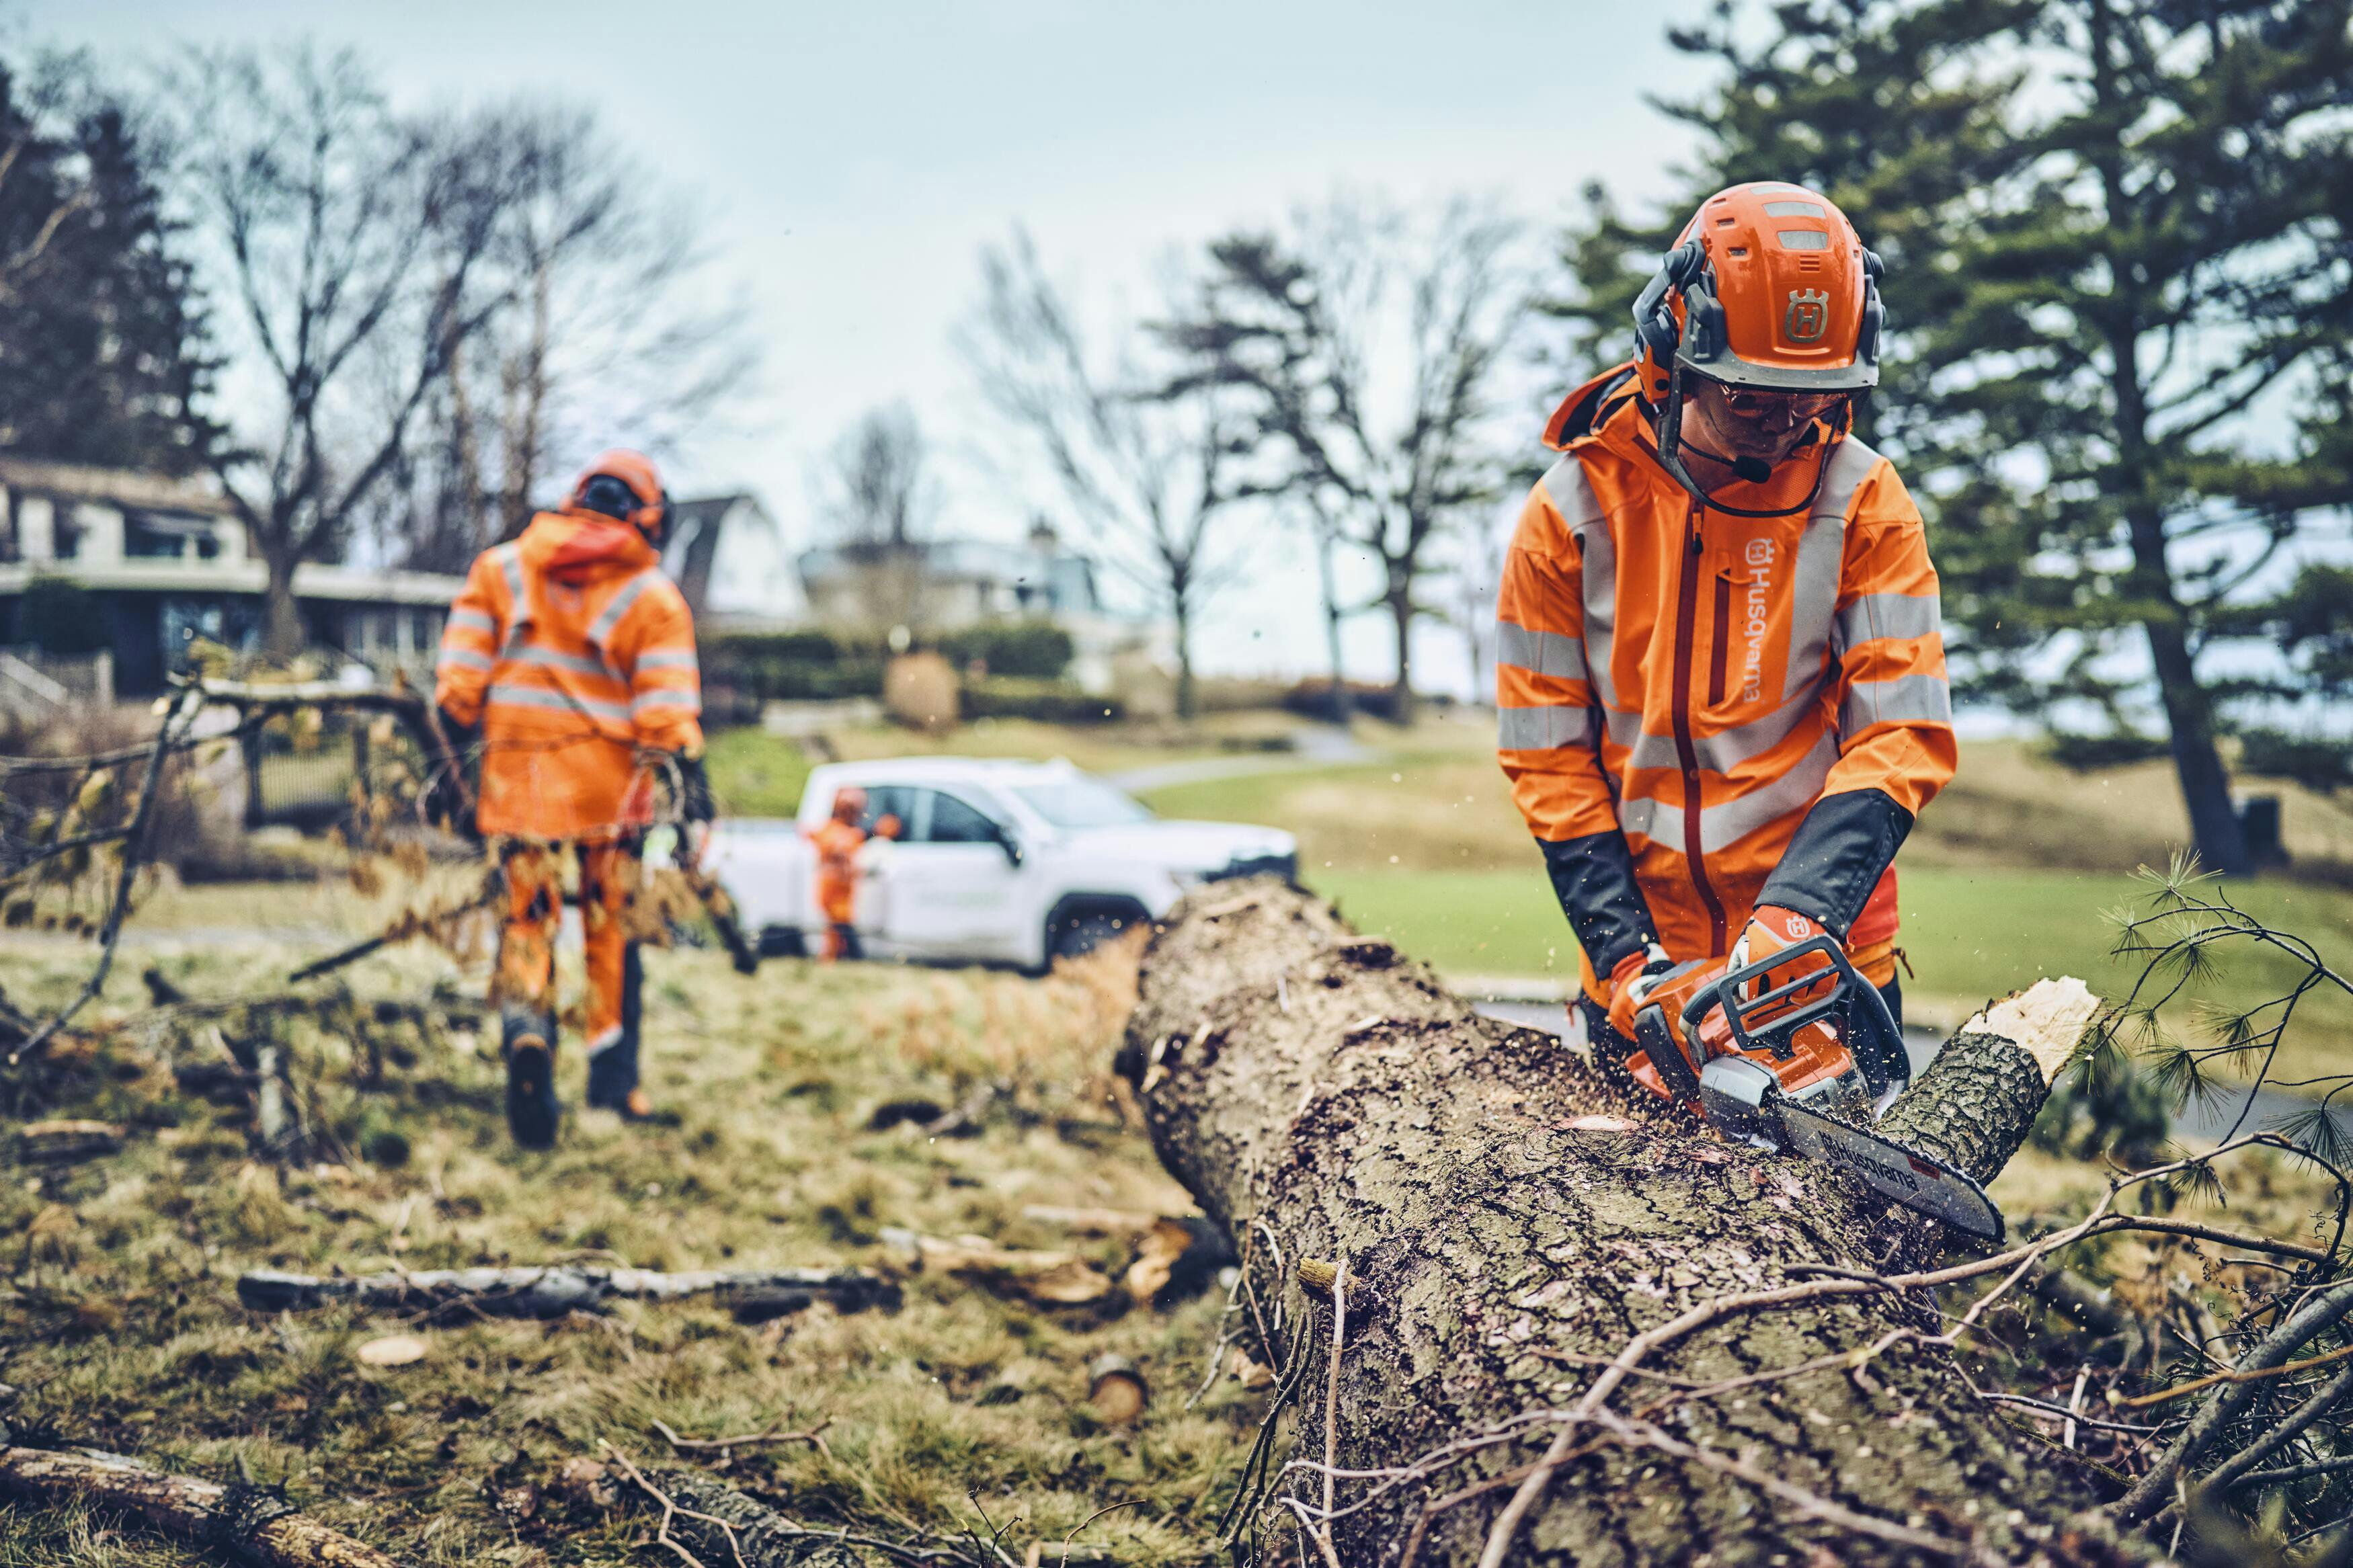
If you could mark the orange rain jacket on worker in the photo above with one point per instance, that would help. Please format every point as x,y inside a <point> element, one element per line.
<point>1688,687</point>
<point>576,655</point>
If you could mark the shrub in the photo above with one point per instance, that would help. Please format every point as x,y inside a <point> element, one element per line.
<point>1036,651</point>
<point>59,615</point>
<point>1047,701</point>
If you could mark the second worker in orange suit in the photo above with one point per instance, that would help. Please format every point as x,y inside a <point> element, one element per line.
<point>575,656</point>
<point>1720,673</point>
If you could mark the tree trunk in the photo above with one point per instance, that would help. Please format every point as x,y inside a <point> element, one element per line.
<point>1325,543</point>
<point>2197,762</point>
<point>1188,697</point>
<point>1504,1218</point>
<point>1400,603</point>
<point>281,618</point>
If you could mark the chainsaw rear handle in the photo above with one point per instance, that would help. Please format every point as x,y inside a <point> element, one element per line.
<point>1847,992</point>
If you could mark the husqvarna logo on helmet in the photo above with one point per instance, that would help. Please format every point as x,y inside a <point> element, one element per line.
<point>1808,315</point>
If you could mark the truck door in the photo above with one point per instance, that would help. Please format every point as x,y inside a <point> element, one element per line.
<point>953,889</point>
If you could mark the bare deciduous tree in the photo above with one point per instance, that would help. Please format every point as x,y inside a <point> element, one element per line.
<point>350,244</point>
<point>876,495</point>
<point>1367,341</point>
<point>602,331</point>
<point>1149,474</point>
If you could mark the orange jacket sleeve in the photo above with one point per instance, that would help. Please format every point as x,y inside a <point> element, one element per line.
<point>1546,738</point>
<point>654,644</point>
<point>1895,702</point>
<point>1549,740</point>
<point>1896,748</point>
<point>471,640</point>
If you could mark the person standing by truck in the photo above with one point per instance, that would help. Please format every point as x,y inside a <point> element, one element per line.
<point>842,845</point>
<point>576,656</point>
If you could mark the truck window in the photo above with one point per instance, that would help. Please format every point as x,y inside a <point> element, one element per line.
<point>954,822</point>
<point>893,800</point>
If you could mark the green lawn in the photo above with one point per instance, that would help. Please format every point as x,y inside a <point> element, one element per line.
<point>1968,934</point>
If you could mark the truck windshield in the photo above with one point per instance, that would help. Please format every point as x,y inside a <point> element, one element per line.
<point>1082,803</point>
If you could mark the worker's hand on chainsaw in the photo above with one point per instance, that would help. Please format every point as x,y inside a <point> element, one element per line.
<point>1773,930</point>
<point>1631,982</point>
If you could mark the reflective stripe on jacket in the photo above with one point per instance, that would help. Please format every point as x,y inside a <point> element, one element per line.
<point>572,652</point>
<point>1700,680</point>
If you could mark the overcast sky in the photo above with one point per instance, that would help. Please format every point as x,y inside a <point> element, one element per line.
<point>854,158</point>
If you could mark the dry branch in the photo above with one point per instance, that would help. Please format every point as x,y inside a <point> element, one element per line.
<point>552,1291</point>
<point>252,1523</point>
<point>1506,1214</point>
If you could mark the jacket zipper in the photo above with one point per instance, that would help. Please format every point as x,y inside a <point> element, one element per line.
<point>1686,614</point>
<point>1715,657</point>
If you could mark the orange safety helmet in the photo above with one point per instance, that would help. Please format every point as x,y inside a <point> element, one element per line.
<point>1769,288</point>
<point>627,485</point>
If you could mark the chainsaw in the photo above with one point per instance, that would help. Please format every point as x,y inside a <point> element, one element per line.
<point>1802,1068</point>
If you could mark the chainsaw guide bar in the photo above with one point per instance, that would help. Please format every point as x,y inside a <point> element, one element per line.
<point>1913,1179</point>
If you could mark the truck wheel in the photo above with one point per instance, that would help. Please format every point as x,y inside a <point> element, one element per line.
<point>1075,936</point>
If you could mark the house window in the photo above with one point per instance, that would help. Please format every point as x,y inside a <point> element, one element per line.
<point>159,536</point>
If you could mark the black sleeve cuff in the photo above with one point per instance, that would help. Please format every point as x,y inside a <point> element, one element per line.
<point>1841,851</point>
<point>1593,878</point>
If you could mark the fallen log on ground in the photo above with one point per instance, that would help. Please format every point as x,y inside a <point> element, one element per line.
<point>252,1524</point>
<point>1503,1221</point>
<point>553,1291</point>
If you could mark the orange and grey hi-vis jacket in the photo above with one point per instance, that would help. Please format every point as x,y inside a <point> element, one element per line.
<point>1701,713</point>
<point>575,654</point>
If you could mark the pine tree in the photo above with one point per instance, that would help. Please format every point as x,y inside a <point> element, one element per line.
<point>102,351</point>
<point>2118,276</point>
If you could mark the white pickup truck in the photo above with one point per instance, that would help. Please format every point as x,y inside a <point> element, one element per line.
<point>1008,862</point>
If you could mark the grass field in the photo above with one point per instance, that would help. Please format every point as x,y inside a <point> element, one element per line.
<point>119,1324</point>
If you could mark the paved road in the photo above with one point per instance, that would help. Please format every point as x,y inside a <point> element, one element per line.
<point>2208,1121</point>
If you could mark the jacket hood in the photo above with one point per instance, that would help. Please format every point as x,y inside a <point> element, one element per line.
<point>1607,411</point>
<point>573,546</point>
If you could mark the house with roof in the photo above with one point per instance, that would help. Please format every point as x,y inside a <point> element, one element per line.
<point>729,557</point>
<point>160,559</point>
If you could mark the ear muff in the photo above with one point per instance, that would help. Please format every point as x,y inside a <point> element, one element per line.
<point>1656,332</point>
<point>1874,314</point>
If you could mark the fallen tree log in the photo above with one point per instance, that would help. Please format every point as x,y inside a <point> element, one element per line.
<point>553,1291</point>
<point>252,1524</point>
<point>1502,1221</point>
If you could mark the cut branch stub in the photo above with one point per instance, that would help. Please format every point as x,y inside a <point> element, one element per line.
<point>1514,1217</point>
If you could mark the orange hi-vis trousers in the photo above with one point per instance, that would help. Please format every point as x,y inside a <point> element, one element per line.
<point>524,988</point>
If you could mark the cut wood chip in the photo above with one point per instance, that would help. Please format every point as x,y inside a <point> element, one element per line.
<point>1052,1279</point>
<point>393,1349</point>
<point>1116,1389</point>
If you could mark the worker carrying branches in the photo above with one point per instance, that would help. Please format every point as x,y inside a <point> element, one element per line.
<point>1720,673</point>
<point>575,655</point>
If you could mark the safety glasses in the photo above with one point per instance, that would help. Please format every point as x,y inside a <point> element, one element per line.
<point>1755,403</point>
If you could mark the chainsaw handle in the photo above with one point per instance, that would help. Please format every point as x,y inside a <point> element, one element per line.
<point>1725,994</point>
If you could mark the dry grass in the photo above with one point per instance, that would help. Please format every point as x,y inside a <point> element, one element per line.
<point>120,1326</point>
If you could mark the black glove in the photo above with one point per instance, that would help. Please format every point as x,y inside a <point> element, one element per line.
<point>694,789</point>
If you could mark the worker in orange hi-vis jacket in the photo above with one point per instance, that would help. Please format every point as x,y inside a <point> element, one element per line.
<point>576,656</point>
<point>838,841</point>
<point>1721,679</point>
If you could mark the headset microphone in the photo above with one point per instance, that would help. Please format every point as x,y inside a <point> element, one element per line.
<point>1756,471</point>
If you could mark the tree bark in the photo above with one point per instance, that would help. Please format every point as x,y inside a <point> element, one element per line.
<point>249,1523</point>
<point>1506,1217</point>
